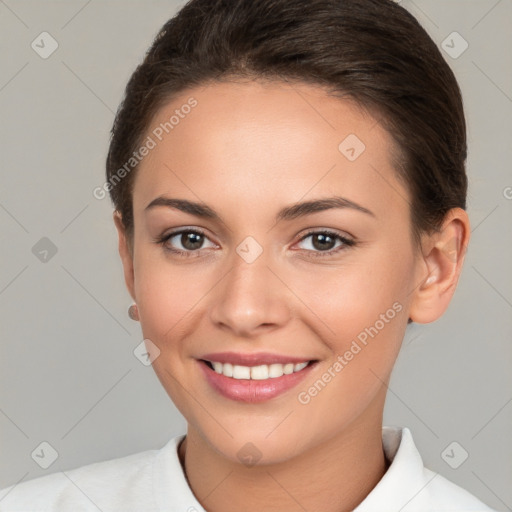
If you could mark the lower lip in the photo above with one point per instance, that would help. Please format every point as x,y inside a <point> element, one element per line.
<point>249,390</point>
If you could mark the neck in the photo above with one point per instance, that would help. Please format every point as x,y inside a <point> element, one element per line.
<point>334,476</point>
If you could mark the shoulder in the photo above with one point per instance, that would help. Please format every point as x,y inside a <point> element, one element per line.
<point>409,486</point>
<point>116,484</point>
<point>446,495</point>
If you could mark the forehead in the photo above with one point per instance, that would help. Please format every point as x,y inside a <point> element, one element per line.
<point>261,138</point>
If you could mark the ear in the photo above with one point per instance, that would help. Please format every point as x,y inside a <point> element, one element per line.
<point>439,267</point>
<point>125,252</point>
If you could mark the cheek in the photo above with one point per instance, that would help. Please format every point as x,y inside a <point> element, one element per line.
<point>352,298</point>
<point>169,301</point>
<point>167,295</point>
<point>363,310</point>
<point>366,326</point>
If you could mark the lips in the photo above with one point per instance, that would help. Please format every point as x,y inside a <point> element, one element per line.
<point>253,377</point>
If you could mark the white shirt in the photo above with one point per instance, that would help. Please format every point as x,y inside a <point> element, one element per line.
<point>153,480</point>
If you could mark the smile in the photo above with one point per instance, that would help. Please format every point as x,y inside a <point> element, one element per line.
<point>257,382</point>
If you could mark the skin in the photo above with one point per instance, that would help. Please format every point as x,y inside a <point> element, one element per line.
<point>247,150</point>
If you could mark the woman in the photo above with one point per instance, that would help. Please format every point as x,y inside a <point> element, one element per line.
<point>289,188</point>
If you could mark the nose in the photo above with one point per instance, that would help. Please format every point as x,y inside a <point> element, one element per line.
<point>251,298</point>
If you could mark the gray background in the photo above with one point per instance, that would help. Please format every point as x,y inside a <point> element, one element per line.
<point>68,373</point>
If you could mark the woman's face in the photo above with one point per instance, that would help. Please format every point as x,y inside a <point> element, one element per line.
<point>258,274</point>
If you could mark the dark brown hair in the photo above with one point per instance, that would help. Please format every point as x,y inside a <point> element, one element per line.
<point>371,51</point>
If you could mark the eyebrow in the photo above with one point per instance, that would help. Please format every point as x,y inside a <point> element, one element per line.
<point>291,212</point>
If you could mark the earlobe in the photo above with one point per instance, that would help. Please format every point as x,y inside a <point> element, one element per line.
<point>125,253</point>
<point>440,267</point>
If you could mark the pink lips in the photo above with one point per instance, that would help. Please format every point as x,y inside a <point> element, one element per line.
<point>248,390</point>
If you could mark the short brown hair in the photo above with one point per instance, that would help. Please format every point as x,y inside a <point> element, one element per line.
<point>371,51</point>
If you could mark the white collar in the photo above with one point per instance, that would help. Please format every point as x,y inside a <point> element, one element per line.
<point>407,486</point>
<point>404,479</point>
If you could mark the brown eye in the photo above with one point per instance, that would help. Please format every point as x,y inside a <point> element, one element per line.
<point>325,243</point>
<point>191,240</point>
<point>185,241</point>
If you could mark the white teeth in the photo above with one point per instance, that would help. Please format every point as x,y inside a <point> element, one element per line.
<point>227,369</point>
<point>240,372</point>
<point>261,372</point>
<point>275,370</point>
<point>299,366</point>
<point>288,368</point>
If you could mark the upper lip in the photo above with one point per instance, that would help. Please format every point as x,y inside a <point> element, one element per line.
<point>252,359</point>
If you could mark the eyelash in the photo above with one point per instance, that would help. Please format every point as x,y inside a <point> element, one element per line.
<point>347,242</point>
